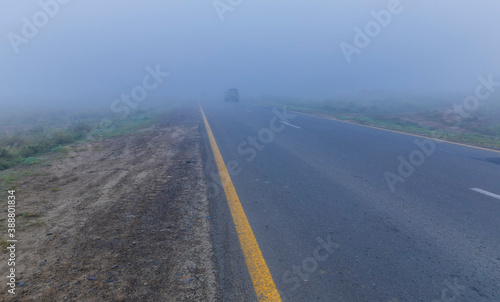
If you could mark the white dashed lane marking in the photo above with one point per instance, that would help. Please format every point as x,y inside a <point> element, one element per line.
<point>486,193</point>
<point>288,124</point>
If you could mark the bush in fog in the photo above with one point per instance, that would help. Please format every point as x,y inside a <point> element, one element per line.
<point>7,159</point>
<point>17,147</point>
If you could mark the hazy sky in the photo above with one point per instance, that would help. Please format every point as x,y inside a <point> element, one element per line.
<point>99,49</point>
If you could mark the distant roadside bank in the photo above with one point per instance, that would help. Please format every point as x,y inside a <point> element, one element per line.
<point>478,128</point>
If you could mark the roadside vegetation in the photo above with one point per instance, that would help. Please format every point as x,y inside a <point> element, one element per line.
<point>422,117</point>
<point>22,142</point>
<point>28,142</point>
<point>23,146</point>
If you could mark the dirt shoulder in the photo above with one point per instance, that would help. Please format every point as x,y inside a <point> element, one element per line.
<point>123,219</point>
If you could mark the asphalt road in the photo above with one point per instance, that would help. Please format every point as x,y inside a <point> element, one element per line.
<point>329,225</point>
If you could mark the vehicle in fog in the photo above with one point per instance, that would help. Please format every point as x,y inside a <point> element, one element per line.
<point>231,95</point>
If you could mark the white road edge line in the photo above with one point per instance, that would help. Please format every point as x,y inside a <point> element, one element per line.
<point>486,193</point>
<point>290,124</point>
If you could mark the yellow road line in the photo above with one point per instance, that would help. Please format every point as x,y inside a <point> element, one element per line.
<point>395,131</point>
<point>261,277</point>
